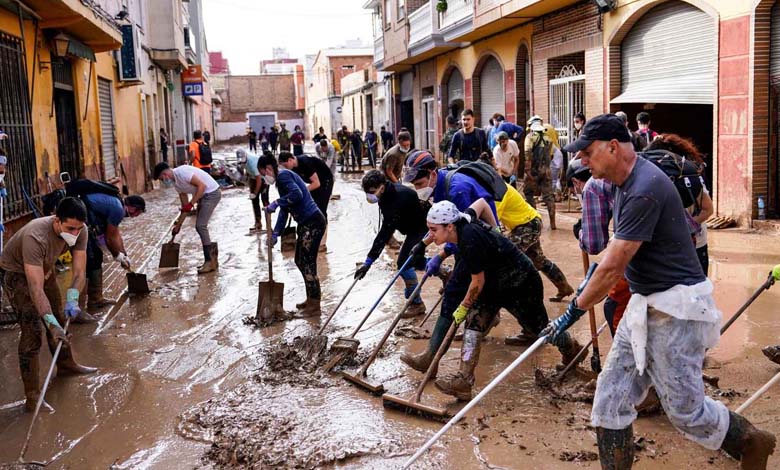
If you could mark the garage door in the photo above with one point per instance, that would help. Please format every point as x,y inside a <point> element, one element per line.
<point>774,67</point>
<point>107,128</point>
<point>491,90</point>
<point>455,87</point>
<point>670,56</point>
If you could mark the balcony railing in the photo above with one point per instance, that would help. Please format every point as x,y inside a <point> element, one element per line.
<point>379,50</point>
<point>457,10</point>
<point>420,24</point>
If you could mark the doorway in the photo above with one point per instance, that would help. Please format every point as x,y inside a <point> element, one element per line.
<point>65,116</point>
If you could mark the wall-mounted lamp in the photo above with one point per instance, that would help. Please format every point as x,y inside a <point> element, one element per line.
<point>60,43</point>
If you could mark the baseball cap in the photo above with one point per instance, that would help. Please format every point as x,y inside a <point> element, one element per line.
<point>502,136</point>
<point>604,127</point>
<point>577,170</point>
<point>416,162</point>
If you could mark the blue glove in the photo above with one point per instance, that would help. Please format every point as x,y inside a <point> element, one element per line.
<point>271,208</point>
<point>2,228</point>
<point>433,265</point>
<point>274,238</point>
<point>72,309</point>
<point>557,327</point>
<point>450,248</point>
<point>363,270</point>
<point>512,179</point>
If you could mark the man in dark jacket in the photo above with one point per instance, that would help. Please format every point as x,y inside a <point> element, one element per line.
<point>401,210</point>
<point>470,142</point>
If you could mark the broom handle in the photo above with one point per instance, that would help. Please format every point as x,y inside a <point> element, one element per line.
<point>582,351</point>
<point>397,319</point>
<point>43,394</point>
<point>435,363</point>
<point>760,392</point>
<point>765,286</point>
<point>270,233</point>
<point>376,304</point>
<point>592,316</point>
<point>539,342</point>
<point>428,315</point>
<point>322,328</point>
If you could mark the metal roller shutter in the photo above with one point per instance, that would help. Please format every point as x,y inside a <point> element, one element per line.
<point>774,48</point>
<point>670,56</point>
<point>107,128</point>
<point>455,87</point>
<point>491,90</point>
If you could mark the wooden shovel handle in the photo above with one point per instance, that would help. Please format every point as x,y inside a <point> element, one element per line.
<point>445,345</point>
<point>270,232</point>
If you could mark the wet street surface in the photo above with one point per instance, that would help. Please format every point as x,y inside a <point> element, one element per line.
<point>183,382</point>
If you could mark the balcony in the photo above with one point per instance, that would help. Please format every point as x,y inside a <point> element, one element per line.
<point>82,19</point>
<point>493,16</point>
<point>379,51</point>
<point>166,34</point>
<point>458,20</point>
<point>425,39</point>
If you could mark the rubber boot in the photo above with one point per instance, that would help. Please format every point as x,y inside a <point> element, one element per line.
<point>211,253</point>
<point>68,364</point>
<point>556,276</point>
<point>417,307</point>
<point>30,370</point>
<point>459,384</point>
<point>421,362</point>
<point>751,446</point>
<point>551,211</point>
<point>312,308</point>
<point>257,228</point>
<point>95,299</point>
<point>302,305</point>
<point>616,448</point>
<point>772,353</point>
<point>569,348</point>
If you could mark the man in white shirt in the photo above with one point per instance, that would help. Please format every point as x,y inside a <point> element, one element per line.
<point>507,157</point>
<point>205,193</point>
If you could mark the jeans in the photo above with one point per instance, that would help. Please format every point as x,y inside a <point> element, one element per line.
<point>206,207</point>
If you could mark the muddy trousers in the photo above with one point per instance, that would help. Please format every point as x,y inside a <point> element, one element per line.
<point>543,185</point>
<point>206,208</point>
<point>32,327</point>
<point>409,274</point>
<point>526,238</point>
<point>322,195</point>
<point>309,236</point>
<point>256,201</point>
<point>675,354</point>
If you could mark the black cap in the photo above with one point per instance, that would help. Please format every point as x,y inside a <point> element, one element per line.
<point>577,170</point>
<point>604,127</point>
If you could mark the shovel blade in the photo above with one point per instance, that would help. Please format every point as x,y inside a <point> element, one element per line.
<point>169,256</point>
<point>137,283</point>
<point>270,301</point>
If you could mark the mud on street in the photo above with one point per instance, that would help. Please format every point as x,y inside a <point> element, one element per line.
<point>185,383</point>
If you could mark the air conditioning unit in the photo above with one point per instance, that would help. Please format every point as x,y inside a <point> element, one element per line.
<point>130,54</point>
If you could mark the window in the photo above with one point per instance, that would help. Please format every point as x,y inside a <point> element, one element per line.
<point>388,9</point>
<point>401,9</point>
<point>347,67</point>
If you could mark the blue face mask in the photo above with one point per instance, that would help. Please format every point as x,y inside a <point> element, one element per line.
<point>168,183</point>
<point>372,198</point>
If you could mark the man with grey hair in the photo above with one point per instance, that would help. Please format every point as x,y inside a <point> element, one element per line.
<point>671,319</point>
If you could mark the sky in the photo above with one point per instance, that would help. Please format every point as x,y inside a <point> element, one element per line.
<point>245,31</point>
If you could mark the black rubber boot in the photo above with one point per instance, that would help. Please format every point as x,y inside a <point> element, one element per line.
<point>616,448</point>
<point>744,442</point>
<point>421,362</point>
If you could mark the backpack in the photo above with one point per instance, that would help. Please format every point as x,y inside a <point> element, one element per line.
<point>683,172</point>
<point>82,187</point>
<point>485,175</point>
<point>205,153</point>
<point>480,142</point>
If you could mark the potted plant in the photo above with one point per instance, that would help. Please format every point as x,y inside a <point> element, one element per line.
<point>441,6</point>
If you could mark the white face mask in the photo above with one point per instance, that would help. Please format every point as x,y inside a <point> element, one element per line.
<point>404,149</point>
<point>69,238</point>
<point>577,126</point>
<point>269,179</point>
<point>424,193</point>
<point>168,183</point>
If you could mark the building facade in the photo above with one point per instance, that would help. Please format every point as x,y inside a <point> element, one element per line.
<point>705,69</point>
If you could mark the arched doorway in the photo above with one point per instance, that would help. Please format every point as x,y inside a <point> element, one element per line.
<point>676,85</point>
<point>488,88</point>
<point>523,85</point>
<point>455,93</point>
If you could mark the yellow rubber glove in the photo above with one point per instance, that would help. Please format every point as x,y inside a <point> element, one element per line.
<point>776,272</point>
<point>460,314</point>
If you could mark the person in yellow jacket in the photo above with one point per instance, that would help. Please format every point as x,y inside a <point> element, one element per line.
<point>524,225</point>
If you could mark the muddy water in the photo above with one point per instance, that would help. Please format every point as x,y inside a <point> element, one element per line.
<point>184,383</point>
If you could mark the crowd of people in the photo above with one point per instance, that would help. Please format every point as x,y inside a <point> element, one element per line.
<point>478,206</point>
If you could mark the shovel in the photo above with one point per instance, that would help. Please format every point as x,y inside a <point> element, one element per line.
<point>270,299</point>
<point>360,379</point>
<point>137,283</point>
<point>347,346</point>
<point>169,255</point>
<point>595,358</point>
<point>314,345</point>
<point>414,405</point>
<point>774,275</point>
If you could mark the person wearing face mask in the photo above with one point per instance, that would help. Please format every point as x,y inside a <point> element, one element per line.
<point>462,190</point>
<point>403,211</point>
<point>296,201</point>
<point>318,177</point>
<point>104,214</point>
<point>393,161</point>
<point>30,282</point>
<point>579,121</point>
<point>499,276</point>
<point>205,193</point>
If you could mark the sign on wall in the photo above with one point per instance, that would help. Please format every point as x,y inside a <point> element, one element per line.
<point>192,81</point>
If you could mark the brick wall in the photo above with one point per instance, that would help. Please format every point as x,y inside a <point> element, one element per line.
<point>257,93</point>
<point>594,83</point>
<point>338,71</point>
<point>521,117</point>
<point>570,25</point>
<point>555,64</point>
<point>414,5</point>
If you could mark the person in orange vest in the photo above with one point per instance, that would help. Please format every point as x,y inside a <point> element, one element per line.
<point>200,152</point>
